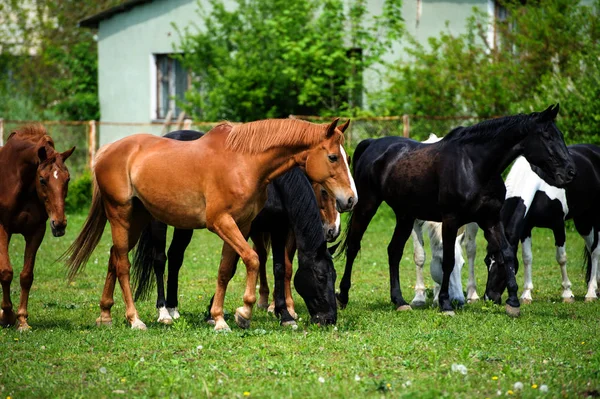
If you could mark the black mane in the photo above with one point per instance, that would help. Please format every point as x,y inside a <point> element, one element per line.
<point>486,130</point>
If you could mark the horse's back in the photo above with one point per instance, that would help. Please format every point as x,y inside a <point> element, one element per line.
<point>583,193</point>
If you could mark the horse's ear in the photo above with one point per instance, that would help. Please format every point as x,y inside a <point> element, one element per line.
<point>331,128</point>
<point>46,146</point>
<point>549,114</point>
<point>345,126</point>
<point>67,154</point>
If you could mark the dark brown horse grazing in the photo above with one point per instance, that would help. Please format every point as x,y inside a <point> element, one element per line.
<point>33,187</point>
<point>220,181</point>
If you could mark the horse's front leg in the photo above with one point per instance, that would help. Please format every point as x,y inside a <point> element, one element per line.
<point>158,231</point>
<point>449,230</point>
<point>503,274</point>
<point>395,250</point>
<point>226,228</point>
<point>7,316</point>
<point>32,243</point>
<point>260,247</point>
<point>419,258</point>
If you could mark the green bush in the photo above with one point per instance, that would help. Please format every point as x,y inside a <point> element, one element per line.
<point>80,193</point>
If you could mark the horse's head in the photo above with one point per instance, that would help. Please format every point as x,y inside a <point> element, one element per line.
<point>327,164</point>
<point>545,148</point>
<point>52,181</point>
<point>316,285</point>
<point>329,214</point>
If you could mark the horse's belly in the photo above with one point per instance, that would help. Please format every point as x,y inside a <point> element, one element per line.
<point>183,216</point>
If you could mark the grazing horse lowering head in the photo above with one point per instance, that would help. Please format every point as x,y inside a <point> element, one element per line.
<point>545,148</point>
<point>316,285</point>
<point>329,214</point>
<point>51,183</point>
<point>327,164</point>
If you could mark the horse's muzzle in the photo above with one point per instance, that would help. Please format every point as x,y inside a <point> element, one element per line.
<point>58,229</point>
<point>345,205</point>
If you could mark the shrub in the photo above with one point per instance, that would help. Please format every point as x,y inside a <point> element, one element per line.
<point>80,193</point>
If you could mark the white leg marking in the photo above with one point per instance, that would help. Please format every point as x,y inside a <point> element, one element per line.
<point>174,313</point>
<point>471,247</point>
<point>419,258</point>
<point>527,261</point>
<point>164,317</point>
<point>561,258</point>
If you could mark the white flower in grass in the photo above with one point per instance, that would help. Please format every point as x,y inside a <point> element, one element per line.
<point>499,392</point>
<point>357,377</point>
<point>544,388</point>
<point>518,386</point>
<point>459,368</point>
<point>408,383</point>
<point>199,347</point>
<point>321,380</point>
<point>102,370</point>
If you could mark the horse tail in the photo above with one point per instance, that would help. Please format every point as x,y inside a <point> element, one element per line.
<point>78,254</point>
<point>142,267</point>
<point>587,263</point>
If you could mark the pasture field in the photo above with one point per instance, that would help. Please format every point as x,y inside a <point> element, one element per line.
<point>373,351</point>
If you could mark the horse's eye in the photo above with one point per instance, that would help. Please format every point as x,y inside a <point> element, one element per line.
<point>68,179</point>
<point>42,181</point>
<point>324,193</point>
<point>333,158</point>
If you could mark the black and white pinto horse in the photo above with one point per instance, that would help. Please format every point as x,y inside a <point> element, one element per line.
<point>531,202</point>
<point>291,208</point>
<point>454,181</point>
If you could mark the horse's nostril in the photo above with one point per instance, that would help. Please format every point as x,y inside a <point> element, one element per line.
<point>571,172</point>
<point>350,201</point>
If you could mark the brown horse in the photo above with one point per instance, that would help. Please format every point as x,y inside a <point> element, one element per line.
<point>33,187</point>
<point>220,181</point>
<point>330,218</point>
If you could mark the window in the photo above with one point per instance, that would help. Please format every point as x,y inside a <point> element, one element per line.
<point>498,14</point>
<point>172,80</point>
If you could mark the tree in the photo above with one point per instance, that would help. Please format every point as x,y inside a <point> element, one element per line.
<point>272,58</point>
<point>47,60</point>
<point>547,52</point>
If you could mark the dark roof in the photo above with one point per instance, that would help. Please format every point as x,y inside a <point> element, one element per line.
<point>94,20</point>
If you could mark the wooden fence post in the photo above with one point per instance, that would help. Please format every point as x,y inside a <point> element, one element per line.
<point>406,125</point>
<point>1,132</point>
<point>91,142</point>
<point>187,124</point>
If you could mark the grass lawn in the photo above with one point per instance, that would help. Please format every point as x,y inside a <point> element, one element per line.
<point>373,351</point>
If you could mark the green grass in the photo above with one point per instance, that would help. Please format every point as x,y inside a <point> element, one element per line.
<point>373,351</point>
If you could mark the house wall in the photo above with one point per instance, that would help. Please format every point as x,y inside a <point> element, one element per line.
<point>127,41</point>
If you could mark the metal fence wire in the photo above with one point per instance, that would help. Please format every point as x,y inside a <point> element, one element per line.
<point>67,134</point>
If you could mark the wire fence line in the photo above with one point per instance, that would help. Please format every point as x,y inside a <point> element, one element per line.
<point>84,134</point>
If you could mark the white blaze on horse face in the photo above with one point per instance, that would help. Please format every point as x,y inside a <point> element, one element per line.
<point>338,223</point>
<point>55,174</point>
<point>352,185</point>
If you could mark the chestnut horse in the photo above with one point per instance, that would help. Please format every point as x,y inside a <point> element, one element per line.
<point>33,187</point>
<point>217,182</point>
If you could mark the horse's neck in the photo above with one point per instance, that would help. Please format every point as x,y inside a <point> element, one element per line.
<point>494,154</point>
<point>20,167</point>
<point>275,162</point>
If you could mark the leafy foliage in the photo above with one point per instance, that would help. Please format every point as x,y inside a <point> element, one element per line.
<point>80,193</point>
<point>533,64</point>
<point>275,57</point>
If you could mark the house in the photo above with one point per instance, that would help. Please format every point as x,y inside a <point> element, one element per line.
<point>139,80</point>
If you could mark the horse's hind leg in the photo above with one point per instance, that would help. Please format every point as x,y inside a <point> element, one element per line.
<point>290,250</point>
<point>471,248</point>
<point>179,243</point>
<point>126,224</point>
<point>527,255</point>
<point>7,316</point>
<point>278,244</point>
<point>32,243</point>
<point>395,250</point>
<point>362,214</point>
<point>159,260</point>
<point>260,247</point>
<point>560,237</point>
<point>419,258</point>
<point>591,242</point>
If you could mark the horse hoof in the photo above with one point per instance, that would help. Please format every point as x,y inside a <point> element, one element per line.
<point>104,321</point>
<point>418,304</point>
<point>263,305</point>
<point>138,325</point>
<point>290,323</point>
<point>512,311</point>
<point>403,308</point>
<point>167,321</point>
<point>448,313</point>
<point>221,327</point>
<point>590,298</point>
<point>341,305</point>
<point>293,314</point>
<point>569,299</point>
<point>210,321</point>
<point>7,318</point>
<point>241,321</point>
<point>23,327</point>
<point>472,300</point>
<point>526,301</point>
<point>174,313</point>
<point>271,308</point>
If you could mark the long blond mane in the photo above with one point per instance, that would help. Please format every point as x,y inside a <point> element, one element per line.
<point>259,136</point>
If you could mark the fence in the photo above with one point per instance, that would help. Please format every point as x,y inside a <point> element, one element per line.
<point>84,134</point>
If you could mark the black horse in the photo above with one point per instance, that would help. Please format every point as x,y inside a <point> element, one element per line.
<point>532,203</point>
<point>456,181</point>
<point>291,208</point>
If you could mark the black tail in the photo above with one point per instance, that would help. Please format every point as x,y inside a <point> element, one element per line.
<point>587,263</point>
<point>340,248</point>
<point>142,267</point>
